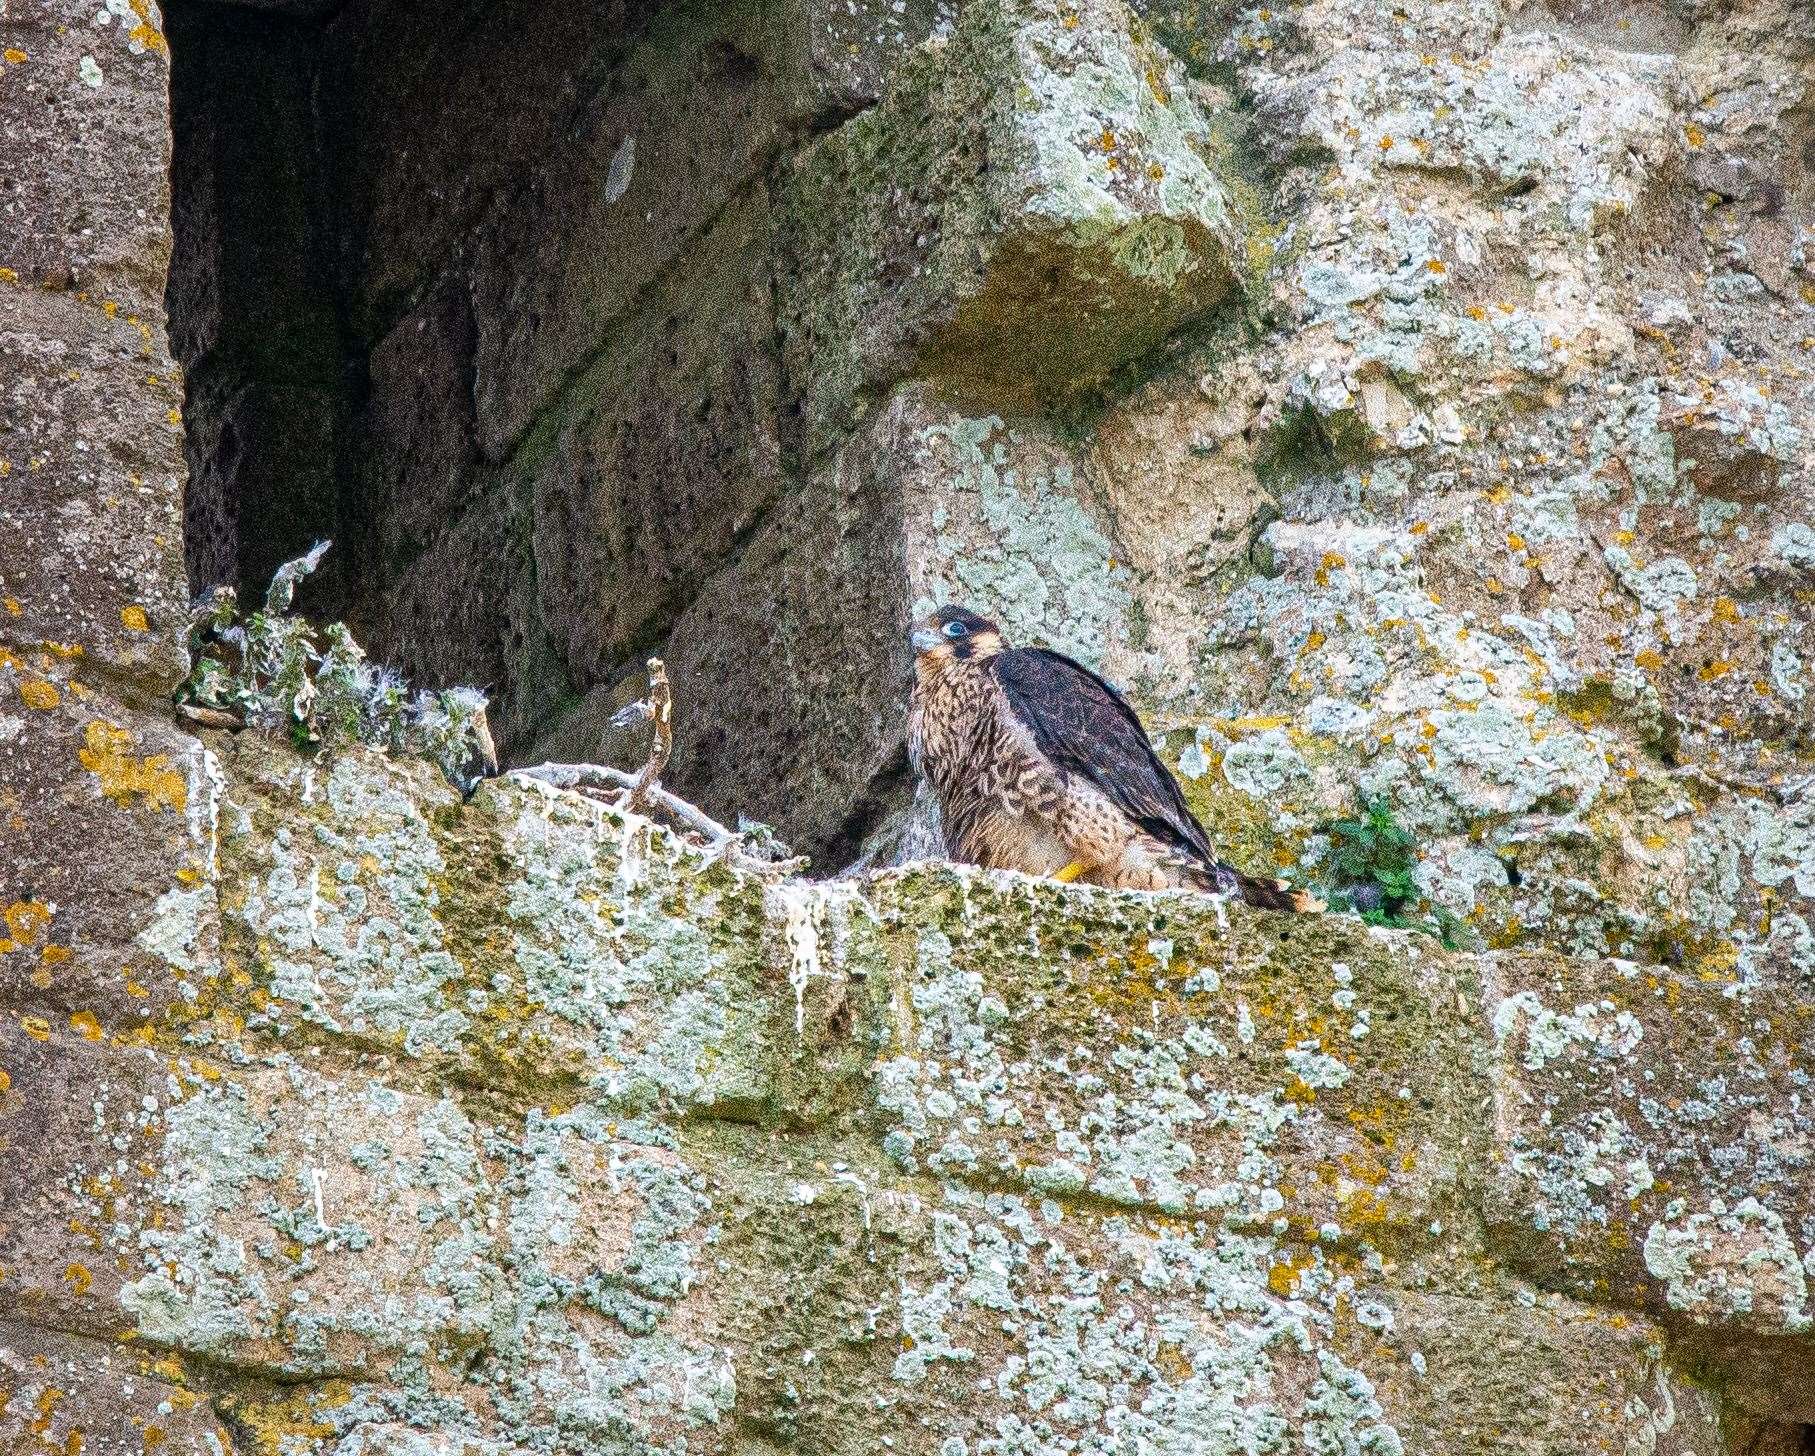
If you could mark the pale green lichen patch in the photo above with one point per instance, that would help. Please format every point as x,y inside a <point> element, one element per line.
<point>1013,538</point>
<point>544,1126</point>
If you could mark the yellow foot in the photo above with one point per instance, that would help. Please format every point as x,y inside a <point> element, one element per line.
<point>1071,871</point>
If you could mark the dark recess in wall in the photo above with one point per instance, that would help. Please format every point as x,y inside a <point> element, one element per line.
<point>272,383</point>
<point>488,294</point>
<point>335,168</point>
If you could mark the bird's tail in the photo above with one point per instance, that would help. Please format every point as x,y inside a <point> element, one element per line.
<point>1221,879</point>
<point>1277,895</point>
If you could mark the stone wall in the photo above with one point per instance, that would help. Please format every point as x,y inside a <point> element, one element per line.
<point>1408,398</point>
<point>517,1125</point>
<point>1414,399</point>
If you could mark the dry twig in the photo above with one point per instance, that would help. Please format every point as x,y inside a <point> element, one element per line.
<point>598,775</point>
<point>643,790</point>
<point>661,709</point>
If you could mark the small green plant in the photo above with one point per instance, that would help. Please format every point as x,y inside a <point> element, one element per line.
<point>1373,862</point>
<point>277,672</point>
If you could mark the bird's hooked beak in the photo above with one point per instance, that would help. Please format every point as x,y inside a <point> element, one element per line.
<point>925,639</point>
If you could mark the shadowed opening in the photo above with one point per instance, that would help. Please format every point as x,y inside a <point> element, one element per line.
<point>484,293</point>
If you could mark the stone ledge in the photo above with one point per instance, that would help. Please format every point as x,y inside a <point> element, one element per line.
<point>528,1080</point>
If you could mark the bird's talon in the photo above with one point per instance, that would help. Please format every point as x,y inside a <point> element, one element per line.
<point>1071,871</point>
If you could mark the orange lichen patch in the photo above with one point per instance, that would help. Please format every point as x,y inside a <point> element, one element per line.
<point>25,921</point>
<point>55,955</point>
<point>47,1405</point>
<point>145,32</point>
<point>78,1278</point>
<point>1649,659</point>
<point>1715,670</point>
<point>1282,1279</point>
<point>18,58</point>
<point>40,695</point>
<point>122,777</point>
<point>151,1437</point>
<point>11,605</point>
<point>1726,610</point>
<point>133,618</point>
<point>1436,265</point>
<point>6,1081</point>
<point>1515,541</point>
<point>1694,135</point>
<point>84,1023</point>
<point>36,1027</point>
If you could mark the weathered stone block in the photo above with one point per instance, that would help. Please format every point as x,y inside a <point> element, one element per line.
<point>300,1226</point>
<point>107,837</point>
<point>90,483</point>
<point>666,455</point>
<point>421,468</point>
<point>80,1124</point>
<point>1026,210</point>
<point>62,1393</point>
<point>1650,1146</point>
<point>687,120</point>
<point>502,983</point>
<point>1009,1081</point>
<point>421,142</point>
<point>86,101</point>
<point>1487,1368</point>
<point>799,653</point>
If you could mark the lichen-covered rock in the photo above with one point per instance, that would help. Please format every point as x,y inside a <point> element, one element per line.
<point>522,1123</point>
<point>62,1393</point>
<point>689,119</point>
<point>1028,208</point>
<point>1411,399</point>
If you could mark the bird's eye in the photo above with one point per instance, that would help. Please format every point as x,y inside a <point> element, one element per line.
<point>955,629</point>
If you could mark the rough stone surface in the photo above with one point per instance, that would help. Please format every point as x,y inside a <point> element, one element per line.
<point>671,455</point>
<point>1025,211</point>
<point>520,1122</point>
<point>1407,398</point>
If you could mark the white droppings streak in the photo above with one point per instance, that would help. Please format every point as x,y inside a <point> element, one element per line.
<point>217,789</point>
<point>799,906</point>
<point>804,910</point>
<point>633,852</point>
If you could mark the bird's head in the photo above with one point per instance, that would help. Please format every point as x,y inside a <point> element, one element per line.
<point>953,634</point>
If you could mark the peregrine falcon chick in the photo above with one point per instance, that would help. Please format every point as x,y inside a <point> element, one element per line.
<point>1041,766</point>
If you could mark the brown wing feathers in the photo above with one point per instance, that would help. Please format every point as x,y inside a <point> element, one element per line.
<point>1085,727</point>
